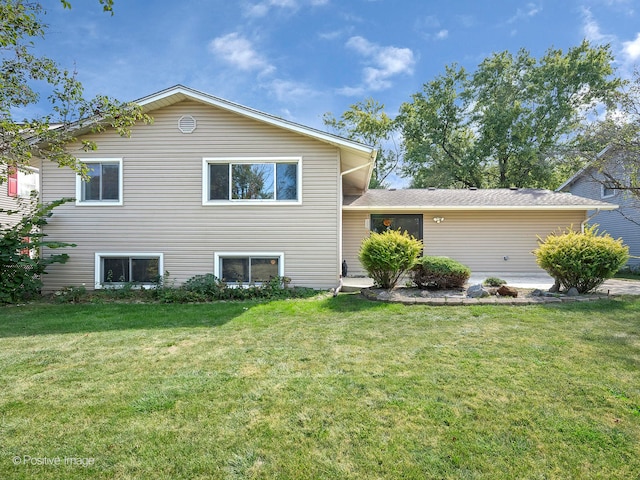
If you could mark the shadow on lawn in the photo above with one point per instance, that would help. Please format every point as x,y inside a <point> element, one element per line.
<point>352,302</point>
<point>47,319</point>
<point>619,303</point>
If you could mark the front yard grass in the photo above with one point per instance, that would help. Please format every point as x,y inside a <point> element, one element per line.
<point>320,388</point>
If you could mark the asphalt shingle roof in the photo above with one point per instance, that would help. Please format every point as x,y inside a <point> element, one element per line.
<point>462,199</point>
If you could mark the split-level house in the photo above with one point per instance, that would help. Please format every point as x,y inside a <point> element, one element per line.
<point>592,182</point>
<point>215,187</point>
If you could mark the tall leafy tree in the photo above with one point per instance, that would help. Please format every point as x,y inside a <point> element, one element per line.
<point>367,122</point>
<point>510,123</point>
<point>22,73</point>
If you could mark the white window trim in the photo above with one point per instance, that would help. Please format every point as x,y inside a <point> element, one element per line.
<point>206,161</point>
<point>100,203</point>
<point>602,190</point>
<point>98,266</point>
<point>220,255</point>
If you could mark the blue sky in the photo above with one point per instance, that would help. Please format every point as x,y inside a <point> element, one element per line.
<point>301,58</point>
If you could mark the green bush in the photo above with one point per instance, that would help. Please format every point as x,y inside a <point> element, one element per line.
<point>494,282</point>
<point>439,273</point>
<point>209,288</point>
<point>21,263</point>
<point>387,255</point>
<point>581,260</point>
<point>197,289</point>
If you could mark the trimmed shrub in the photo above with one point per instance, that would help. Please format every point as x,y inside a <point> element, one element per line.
<point>581,260</point>
<point>439,273</point>
<point>387,255</point>
<point>494,282</point>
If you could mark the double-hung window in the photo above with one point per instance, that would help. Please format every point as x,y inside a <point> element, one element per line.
<point>103,183</point>
<point>248,268</point>
<point>117,269</point>
<point>251,180</point>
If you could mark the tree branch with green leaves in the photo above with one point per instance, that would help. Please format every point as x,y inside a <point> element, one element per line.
<point>22,72</point>
<point>510,123</point>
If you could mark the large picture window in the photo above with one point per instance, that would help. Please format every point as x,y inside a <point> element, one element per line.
<point>103,185</point>
<point>411,223</point>
<point>116,269</point>
<point>246,269</point>
<point>251,180</point>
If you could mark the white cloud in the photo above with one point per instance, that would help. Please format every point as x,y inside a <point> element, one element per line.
<point>591,29</point>
<point>262,9</point>
<point>430,28</point>
<point>351,91</point>
<point>333,35</point>
<point>382,63</point>
<point>238,51</point>
<point>287,91</point>
<point>632,49</point>
<point>531,10</point>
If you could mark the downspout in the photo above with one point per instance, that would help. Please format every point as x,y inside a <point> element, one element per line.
<point>341,195</point>
<point>340,203</point>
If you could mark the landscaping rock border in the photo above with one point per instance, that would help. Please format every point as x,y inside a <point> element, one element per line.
<point>414,296</point>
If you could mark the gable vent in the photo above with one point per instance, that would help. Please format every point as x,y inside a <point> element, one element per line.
<point>187,124</point>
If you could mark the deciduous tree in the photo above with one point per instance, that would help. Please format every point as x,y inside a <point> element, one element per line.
<point>507,124</point>
<point>24,75</point>
<point>368,123</point>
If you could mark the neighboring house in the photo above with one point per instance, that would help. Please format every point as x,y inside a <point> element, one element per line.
<point>215,187</point>
<point>623,222</point>
<point>15,194</point>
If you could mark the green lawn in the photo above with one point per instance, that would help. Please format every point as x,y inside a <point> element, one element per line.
<point>327,388</point>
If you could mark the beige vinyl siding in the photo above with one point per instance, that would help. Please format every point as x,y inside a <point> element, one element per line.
<point>354,230</point>
<point>18,204</point>
<point>163,211</point>
<point>7,203</point>
<point>479,239</point>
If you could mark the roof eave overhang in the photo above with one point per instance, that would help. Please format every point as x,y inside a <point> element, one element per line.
<point>180,93</point>
<point>479,208</point>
